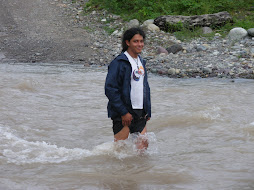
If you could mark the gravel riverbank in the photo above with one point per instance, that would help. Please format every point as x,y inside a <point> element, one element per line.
<point>215,57</point>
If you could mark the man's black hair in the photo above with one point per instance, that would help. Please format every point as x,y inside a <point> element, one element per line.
<point>128,35</point>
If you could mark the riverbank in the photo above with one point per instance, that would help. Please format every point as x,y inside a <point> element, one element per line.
<point>203,57</point>
<point>40,31</point>
<point>94,38</point>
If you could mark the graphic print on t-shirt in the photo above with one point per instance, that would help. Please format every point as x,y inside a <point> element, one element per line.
<point>138,72</point>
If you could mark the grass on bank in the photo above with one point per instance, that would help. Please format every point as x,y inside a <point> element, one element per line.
<point>242,11</point>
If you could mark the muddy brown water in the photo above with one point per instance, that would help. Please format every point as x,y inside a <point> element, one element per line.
<point>55,134</point>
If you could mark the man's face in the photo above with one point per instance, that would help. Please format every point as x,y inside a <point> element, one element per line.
<point>136,44</point>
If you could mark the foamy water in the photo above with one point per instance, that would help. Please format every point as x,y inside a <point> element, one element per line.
<point>20,151</point>
<point>55,134</point>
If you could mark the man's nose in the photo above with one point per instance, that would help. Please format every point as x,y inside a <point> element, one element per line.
<point>140,43</point>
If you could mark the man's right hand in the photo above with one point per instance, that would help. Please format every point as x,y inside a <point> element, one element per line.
<point>126,119</point>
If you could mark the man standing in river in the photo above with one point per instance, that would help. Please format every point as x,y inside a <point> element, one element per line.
<point>128,90</point>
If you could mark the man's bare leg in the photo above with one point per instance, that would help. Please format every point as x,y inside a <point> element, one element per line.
<point>123,134</point>
<point>142,143</point>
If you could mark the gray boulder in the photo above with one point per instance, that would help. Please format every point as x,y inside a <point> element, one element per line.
<point>237,34</point>
<point>174,48</point>
<point>153,28</point>
<point>201,48</point>
<point>133,23</point>
<point>147,22</point>
<point>175,23</point>
<point>161,50</point>
<point>207,30</point>
<point>172,71</point>
<point>251,32</point>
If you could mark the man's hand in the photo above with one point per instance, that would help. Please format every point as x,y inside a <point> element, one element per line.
<point>126,119</point>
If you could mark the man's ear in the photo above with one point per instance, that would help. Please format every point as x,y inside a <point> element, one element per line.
<point>127,42</point>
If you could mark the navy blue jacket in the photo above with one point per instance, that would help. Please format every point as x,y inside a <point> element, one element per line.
<point>118,87</point>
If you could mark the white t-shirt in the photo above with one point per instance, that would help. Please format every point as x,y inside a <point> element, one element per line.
<point>137,80</point>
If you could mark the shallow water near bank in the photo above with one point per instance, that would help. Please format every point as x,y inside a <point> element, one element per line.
<point>55,134</point>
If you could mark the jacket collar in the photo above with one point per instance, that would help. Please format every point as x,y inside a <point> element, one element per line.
<point>122,56</point>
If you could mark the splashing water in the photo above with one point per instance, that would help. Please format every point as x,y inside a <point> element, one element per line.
<point>20,151</point>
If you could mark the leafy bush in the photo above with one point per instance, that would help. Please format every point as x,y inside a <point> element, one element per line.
<point>147,9</point>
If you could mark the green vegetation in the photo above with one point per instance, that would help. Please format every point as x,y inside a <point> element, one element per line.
<point>175,27</point>
<point>146,9</point>
<point>109,30</point>
<point>185,34</point>
<point>87,28</point>
<point>242,11</point>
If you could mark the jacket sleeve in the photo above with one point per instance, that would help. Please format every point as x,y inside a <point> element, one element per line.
<point>113,88</point>
<point>149,100</point>
<point>147,91</point>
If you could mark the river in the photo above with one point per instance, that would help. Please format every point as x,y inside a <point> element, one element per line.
<point>55,134</point>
